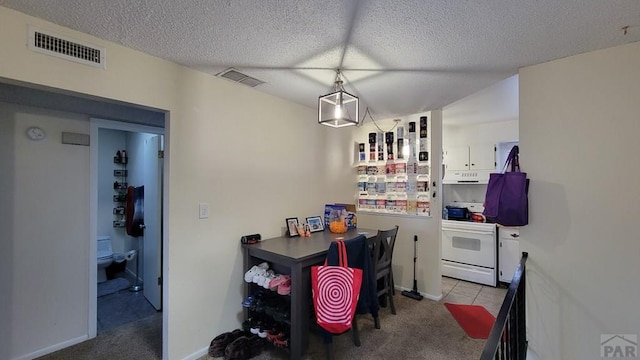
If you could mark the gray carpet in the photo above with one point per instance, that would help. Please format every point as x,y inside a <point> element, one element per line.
<point>112,286</point>
<point>420,330</point>
<point>140,340</point>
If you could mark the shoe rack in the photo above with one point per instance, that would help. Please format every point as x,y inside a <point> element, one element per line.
<point>120,173</point>
<point>267,305</point>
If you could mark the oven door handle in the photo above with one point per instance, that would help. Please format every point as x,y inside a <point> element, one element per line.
<point>479,232</point>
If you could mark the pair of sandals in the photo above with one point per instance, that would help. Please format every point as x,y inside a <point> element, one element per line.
<point>278,338</point>
<point>244,348</point>
<point>219,343</point>
<point>281,284</point>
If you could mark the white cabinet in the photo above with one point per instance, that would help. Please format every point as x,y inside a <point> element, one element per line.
<point>508,252</point>
<point>473,157</point>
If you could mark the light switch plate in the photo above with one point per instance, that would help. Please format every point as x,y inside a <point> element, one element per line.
<point>203,210</point>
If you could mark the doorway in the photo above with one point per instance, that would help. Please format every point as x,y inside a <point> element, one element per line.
<point>126,162</point>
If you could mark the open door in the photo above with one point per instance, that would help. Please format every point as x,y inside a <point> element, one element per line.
<point>152,254</point>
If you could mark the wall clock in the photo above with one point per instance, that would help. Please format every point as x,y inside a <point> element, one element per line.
<point>35,133</point>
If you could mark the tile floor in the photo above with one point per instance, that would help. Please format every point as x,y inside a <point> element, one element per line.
<point>464,292</point>
<point>122,307</point>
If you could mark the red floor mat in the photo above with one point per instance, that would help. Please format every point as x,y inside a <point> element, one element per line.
<point>475,320</point>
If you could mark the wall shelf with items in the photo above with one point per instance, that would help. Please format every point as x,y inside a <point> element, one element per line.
<point>395,184</point>
<point>120,187</point>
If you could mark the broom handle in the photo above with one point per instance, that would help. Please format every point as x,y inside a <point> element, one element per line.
<point>415,257</point>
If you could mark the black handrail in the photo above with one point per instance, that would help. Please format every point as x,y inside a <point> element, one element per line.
<point>508,336</point>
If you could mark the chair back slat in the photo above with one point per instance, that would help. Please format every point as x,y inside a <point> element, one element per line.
<point>383,249</point>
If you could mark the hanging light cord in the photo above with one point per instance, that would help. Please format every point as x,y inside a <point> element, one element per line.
<point>367,112</point>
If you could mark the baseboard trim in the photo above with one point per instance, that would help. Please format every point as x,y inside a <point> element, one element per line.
<point>53,348</point>
<point>426,295</point>
<point>198,354</point>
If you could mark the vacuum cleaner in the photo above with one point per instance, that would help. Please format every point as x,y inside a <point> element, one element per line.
<point>414,294</point>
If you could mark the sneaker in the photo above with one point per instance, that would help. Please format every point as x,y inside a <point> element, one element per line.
<point>248,276</point>
<point>268,279</point>
<point>264,277</point>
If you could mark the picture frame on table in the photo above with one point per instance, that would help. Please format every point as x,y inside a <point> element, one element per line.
<point>292,226</point>
<point>315,223</point>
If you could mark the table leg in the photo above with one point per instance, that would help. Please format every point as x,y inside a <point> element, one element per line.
<point>299,316</point>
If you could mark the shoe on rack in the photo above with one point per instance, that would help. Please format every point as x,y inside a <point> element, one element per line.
<point>249,275</point>
<point>282,341</point>
<point>279,279</point>
<point>268,278</point>
<point>248,301</point>
<point>285,287</point>
<point>261,277</point>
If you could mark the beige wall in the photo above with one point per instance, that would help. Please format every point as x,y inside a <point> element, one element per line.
<point>255,158</point>
<point>579,128</point>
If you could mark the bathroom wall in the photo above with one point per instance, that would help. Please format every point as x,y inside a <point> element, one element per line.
<point>109,143</point>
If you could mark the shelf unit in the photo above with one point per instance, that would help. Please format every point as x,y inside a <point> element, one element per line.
<point>120,173</point>
<point>399,185</point>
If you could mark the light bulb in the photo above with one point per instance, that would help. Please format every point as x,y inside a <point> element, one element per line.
<point>338,112</point>
<point>338,108</point>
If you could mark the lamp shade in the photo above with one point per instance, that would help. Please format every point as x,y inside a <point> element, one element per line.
<point>338,109</point>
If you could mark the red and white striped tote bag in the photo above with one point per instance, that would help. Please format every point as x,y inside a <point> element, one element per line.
<point>336,290</point>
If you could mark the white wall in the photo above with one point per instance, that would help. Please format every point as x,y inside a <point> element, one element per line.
<point>579,127</point>
<point>48,242</point>
<point>427,228</point>
<point>496,103</point>
<point>484,133</point>
<point>255,158</point>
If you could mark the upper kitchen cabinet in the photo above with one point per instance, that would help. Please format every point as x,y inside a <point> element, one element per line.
<point>472,157</point>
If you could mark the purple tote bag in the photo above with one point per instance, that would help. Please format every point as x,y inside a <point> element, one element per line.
<point>506,201</point>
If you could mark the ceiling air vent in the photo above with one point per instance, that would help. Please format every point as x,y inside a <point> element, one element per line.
<point>236,76</point>
<point>66,48</point>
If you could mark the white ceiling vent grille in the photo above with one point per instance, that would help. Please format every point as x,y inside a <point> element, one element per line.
<point>66,48</point>
<point>236,76</point>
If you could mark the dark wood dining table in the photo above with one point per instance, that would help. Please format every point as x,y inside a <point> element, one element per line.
<point>295,256</point>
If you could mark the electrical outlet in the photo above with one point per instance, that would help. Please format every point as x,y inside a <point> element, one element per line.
<point>204,210</point>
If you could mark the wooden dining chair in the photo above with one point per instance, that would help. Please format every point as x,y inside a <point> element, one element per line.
<point>382,255</point>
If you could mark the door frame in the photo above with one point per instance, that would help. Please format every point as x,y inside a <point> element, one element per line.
<point>95,125</point>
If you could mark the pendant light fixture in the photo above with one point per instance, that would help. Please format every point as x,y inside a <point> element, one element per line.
<point>338,108</point>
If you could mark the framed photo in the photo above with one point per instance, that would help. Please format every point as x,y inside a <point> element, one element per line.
<point>315,223</point>
<point>292,226</point>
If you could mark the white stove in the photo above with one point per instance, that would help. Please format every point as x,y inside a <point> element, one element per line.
<point>469,249</point>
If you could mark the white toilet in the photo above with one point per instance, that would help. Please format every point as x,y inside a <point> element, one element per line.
<point>105,256</point>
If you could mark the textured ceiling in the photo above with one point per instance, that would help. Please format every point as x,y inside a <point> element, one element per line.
<point>400,57</point>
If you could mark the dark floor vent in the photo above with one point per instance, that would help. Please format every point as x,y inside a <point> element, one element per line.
<point>51,44</point>
<point>236,76</point>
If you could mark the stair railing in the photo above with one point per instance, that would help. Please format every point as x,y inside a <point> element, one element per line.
<point>508,336</point>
